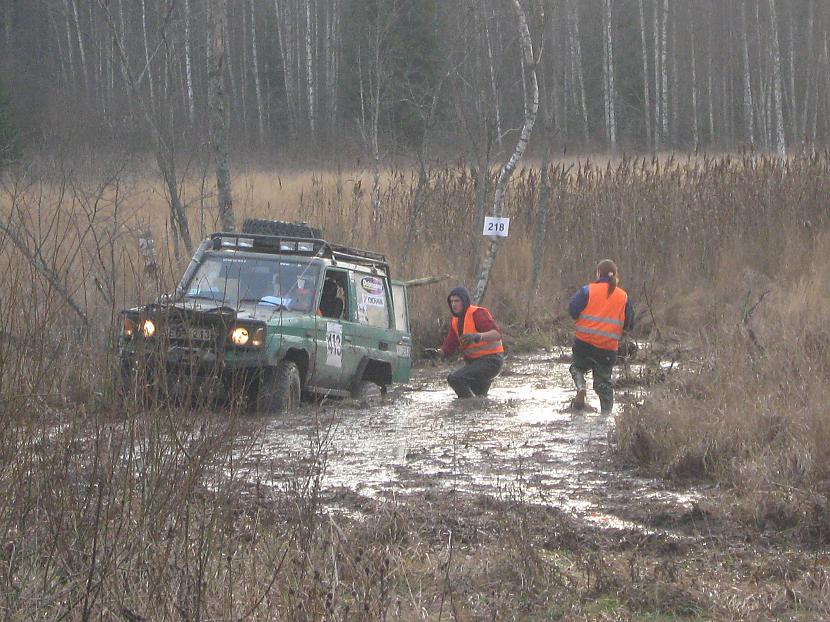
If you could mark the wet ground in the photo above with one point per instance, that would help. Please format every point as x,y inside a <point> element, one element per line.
<point>536,503</point>
<point>522,441</point>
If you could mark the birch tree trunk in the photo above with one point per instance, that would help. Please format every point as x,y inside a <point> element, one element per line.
<point>309,67</point>
<point>147,67</point>
<point>664,73</point>
<point>608,73</point>
<point>492,74</point>
<point>580,78</point>
<point>64,73</point>
<point>810,74</point>
<point>763,97</point>
<point>675,81</point>
<point>332,63</point>
<point>375,126</point>
<point>646,89</point>
<point>257,84</point>
<point>521,146</point>
<point>164,150</point>
<point>286,44</point>
<point>81,51</point>
<point>749,111</point>
<point>8,26</point>
<point>781,143</point>
<point>217,27</point>
<point>710,102</point>
<point>794,124</point>
<point>695,126</point>
<point>658,109</point>
<point>188,63</point>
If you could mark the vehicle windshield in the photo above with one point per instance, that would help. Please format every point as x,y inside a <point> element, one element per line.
<point>234,279</point>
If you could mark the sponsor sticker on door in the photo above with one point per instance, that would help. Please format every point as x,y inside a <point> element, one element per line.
<point>372,284</point>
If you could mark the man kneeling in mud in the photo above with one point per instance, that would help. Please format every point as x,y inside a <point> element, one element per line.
<point>474,333</point>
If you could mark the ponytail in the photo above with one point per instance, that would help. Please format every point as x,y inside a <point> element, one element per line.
<point>607,269</point>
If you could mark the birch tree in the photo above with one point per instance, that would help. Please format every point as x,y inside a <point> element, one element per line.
<point>646,89</point>
<point>507,170</point>
<point>164,147</point>
<point>780,139</point>
<point>217,26</point>
<point>255,67</point>
<point>749,111</point>
<point>608,74</point>
<point>188,63</point>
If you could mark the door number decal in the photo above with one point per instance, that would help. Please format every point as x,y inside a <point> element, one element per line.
<point>334,344</point>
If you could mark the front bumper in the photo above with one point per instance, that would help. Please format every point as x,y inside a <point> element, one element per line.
<point>190,374</point>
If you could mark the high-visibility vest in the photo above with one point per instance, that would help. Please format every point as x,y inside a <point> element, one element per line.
<point>475,350</point>
<point>601,321</point>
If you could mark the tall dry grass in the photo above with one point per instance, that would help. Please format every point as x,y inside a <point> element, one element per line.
<point>114,511</point>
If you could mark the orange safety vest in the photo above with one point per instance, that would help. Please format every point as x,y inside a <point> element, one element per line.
<point>475,350</point>
<point>601,321</point>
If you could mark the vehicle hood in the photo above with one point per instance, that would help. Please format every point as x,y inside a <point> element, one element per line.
<point>245,310</point>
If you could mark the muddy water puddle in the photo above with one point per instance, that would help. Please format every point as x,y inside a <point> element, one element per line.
<point>522,441</point>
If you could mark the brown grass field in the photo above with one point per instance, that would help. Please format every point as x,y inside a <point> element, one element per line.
<point>114,513</point>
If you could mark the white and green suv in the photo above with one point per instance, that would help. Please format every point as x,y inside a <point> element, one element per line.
<point>269,318</point>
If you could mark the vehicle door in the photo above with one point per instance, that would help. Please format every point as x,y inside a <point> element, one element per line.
<point>403,336</point>
<point>333,334</point>
<point>374,336</point>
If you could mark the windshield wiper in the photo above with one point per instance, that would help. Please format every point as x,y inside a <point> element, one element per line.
<point>202,297</point>
<point>261,301</point>
<point>221,309</point>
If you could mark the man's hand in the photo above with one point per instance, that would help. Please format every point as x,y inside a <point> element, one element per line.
<point>469,338</point>
<point>432,353</point>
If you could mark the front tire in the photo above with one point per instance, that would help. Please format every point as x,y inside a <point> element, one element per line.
<point>279,389</point>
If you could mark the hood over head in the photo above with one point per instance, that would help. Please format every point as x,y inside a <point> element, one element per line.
<point>462,293</point>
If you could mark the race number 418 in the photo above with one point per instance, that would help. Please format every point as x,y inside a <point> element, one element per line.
<point>497,227</point>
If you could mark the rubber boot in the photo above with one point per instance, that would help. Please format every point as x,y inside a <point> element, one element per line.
<point>578,402</point>
<point>606,405</point>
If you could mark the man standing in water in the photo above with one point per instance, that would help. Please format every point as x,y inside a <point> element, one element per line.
<point>474,333</point>
<point>602,311</point>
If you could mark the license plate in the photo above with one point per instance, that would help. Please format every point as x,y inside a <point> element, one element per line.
<point>191,333</point>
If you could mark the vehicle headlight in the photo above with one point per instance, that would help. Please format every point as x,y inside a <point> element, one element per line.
<point>248,336</point>
<point>128,328</point>
<point>240,336</point>
<point>148,328</point>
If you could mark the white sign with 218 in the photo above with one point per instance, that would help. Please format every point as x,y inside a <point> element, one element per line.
<point>497,227</point>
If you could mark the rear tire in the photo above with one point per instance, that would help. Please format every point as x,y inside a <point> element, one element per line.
<point>365,391</point>
<point>279,389</point>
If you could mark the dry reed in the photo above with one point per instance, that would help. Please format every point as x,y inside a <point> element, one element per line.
<point>110,511</point>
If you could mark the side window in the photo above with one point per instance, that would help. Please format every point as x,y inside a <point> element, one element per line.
<point>334,296</point>
<point>372,299</point>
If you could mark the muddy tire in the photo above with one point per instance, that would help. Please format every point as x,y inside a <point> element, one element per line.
<point>365,391</point>
<point>279,389</point>
<point>131,385</point>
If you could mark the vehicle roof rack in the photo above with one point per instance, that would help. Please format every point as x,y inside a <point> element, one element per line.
<point>289,245</point>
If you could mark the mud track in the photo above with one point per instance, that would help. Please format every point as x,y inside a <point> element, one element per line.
<point>517,482</point>
<point>523,439</point>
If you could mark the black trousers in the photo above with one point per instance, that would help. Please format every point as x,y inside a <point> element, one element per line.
<point>476,376</point>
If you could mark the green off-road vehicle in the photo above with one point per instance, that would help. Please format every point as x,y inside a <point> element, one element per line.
<point>269,315</point>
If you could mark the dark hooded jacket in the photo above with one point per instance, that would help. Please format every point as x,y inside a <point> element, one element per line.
<point>462,293</point>
<point>483,320</point>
